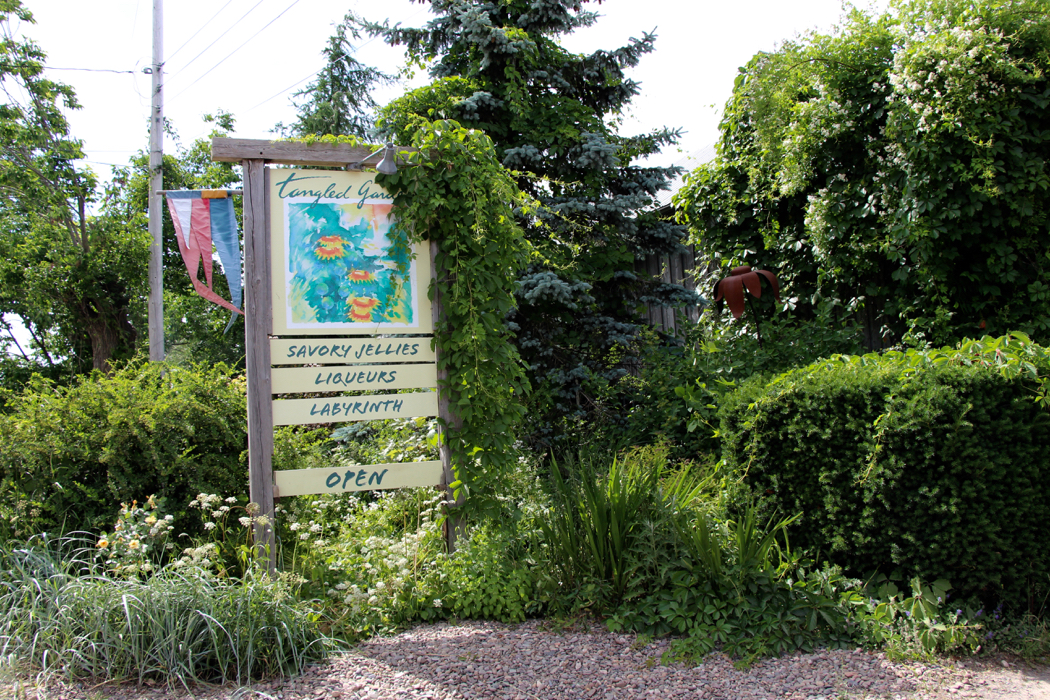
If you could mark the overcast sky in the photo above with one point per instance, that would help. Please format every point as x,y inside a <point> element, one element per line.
<point>248,56</point>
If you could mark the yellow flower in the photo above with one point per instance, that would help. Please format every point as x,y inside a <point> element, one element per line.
<point>102,543</point>
<point>330,247</point>
<point>134,544</point>
<point>118,527</point>
<point>151,501</point>
<point>151,519</point>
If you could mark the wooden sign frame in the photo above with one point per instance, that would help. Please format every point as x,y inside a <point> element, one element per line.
<point>254,155</point>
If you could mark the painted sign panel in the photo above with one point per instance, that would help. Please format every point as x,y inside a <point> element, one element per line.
<point>343,351</point>
<point>355,377</point>
<point>341,263</point>
<point>340,409</point>
<point>371,477</point>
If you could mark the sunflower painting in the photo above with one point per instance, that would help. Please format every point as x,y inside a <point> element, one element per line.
<point>344,266</point>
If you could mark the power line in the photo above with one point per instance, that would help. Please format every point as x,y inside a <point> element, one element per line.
<point>285,89</point>
<point>217,38</point>
<point>92,70</point>
<point>172,55</point>
<point>298,82</point>
<point>43,67</point>
<point>294,3</point>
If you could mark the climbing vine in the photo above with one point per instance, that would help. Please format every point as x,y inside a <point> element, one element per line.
<point>453,190</point>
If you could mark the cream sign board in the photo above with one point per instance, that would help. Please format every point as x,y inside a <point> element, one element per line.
<point>340,264</point>
<point>341,267</point>
<point>297,482</point>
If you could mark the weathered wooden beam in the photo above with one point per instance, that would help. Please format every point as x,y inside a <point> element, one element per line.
<point>258,323</point>
<point>455,524</point>
<point>227,150</point>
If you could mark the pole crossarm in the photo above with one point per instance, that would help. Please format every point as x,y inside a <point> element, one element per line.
<point>227,150</point>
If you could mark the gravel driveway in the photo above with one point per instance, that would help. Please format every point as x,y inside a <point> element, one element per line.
<point>532,661</point>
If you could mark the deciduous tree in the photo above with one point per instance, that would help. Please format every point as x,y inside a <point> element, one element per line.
<point>896,170</point>
<point>72,275</point>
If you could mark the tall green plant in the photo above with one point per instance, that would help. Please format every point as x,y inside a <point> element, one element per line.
<point>551,115</point>
<point>602,524</point>
<point>890,170</point>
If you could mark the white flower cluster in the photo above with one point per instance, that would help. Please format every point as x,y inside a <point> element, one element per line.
<point>202,557</point>
<point>379,568</point>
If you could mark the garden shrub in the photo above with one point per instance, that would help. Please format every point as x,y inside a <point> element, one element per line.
<point>932,464</point>
<point>68,454</point>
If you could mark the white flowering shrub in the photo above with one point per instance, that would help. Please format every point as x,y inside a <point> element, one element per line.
<point>368,555</point>
<point>892,172</point>
<point>378,558</point>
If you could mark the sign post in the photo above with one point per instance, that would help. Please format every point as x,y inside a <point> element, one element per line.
<point>337,300</point>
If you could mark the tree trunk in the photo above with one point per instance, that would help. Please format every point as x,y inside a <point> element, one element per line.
<point>104,341</point>
<point>876,335</point>
<point>107,331</point>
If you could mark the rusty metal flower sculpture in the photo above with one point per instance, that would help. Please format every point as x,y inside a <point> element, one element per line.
<point>731,289</point>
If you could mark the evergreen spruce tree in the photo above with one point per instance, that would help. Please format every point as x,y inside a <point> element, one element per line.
<point>339,101</point>
<point>552,114</point>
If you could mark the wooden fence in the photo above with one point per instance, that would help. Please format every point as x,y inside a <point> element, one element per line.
<point>679,268</point>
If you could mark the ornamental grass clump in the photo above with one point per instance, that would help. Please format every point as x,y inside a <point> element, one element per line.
<point>69,618</point>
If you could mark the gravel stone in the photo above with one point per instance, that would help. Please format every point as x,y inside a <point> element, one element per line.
<point>535,661</point>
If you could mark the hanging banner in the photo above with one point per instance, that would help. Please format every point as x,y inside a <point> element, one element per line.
<point>341,264</point>
<point>204,218</point>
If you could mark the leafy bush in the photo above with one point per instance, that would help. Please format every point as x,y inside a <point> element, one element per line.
<point>68,453</point>
<point>488,578</point>
<point>932,463</point>
<point>179,625</point>
<point>671,394</point>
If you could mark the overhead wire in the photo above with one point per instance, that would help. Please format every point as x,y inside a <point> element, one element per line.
<point>194,35</point>
<point>92,70</point>
<point>303,80</point>
<point>217,39</point>
<point>40,65</point>
<point>294,3</point>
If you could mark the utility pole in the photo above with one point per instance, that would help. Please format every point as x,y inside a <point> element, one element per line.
<point>156,200</point>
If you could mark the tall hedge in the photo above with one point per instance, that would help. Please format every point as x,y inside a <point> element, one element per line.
<point>70,455</point>
<point>941,470</point>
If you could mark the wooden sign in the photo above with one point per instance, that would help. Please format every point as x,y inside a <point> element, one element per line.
<point>340,409</point>
<point>353,378</point>
<point>340,264</point>
<point>371,477</point>
<point>323,257</point>
<point>344,351</point>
